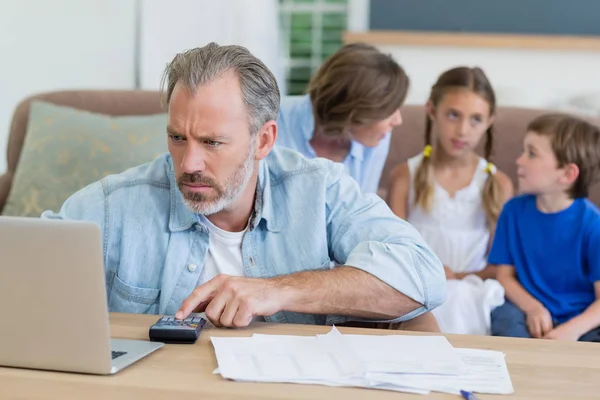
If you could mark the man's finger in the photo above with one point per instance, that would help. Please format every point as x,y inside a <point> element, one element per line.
<point>229,313</point>
<point>202,294</point>
<point>215,308</point>
<point>202,306</point>
<point>243,317</point>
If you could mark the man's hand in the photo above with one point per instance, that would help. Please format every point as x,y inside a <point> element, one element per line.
<point>232,301</point>
<point>563,332</point>
<point>539,321</point>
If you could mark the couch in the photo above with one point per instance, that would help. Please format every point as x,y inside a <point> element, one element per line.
<point>109,102</point>
<point>407,139</point>
<point>510,125</point>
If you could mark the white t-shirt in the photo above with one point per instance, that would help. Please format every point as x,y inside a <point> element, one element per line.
<point>224,253</point>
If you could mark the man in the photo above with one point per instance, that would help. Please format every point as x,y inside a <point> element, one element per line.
<point>228,224</point>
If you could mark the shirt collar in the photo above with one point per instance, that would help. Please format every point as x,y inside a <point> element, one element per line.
<point>357,151</point>
<point>263,207</point>
<point>182,218</point>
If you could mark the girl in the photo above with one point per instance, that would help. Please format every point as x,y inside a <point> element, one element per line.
<point>353,102</point>
<point>453,196</point>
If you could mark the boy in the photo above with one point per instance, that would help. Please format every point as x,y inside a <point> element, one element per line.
<point>547,241</point>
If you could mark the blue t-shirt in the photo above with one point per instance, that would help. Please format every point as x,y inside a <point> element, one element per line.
<point>296,125</point>
<point>556,256</point>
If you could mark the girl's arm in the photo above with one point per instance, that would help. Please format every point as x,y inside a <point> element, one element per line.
<point>397,197</point>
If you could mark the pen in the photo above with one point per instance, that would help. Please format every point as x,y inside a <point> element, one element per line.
<point>468,395</point>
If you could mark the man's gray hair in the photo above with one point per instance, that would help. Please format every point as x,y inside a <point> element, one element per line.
<point>202,65</point>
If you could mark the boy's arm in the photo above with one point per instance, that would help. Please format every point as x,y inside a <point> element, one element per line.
<point>581,324</point>
<point>539,320</point>
<point>590,317</point>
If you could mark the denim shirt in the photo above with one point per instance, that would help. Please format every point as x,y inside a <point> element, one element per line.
<point>308,216</point>
<point>296,125</point>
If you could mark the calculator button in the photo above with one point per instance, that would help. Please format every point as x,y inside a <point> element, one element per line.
<point>196,320</point>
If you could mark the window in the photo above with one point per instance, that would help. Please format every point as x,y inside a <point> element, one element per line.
<point>312,31</point>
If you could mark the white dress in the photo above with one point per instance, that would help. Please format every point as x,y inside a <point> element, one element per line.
<point>457,232</point>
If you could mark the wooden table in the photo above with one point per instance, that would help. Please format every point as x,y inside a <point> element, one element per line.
<point>539,370</point>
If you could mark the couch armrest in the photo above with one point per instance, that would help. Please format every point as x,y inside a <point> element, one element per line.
<point>5,185</point>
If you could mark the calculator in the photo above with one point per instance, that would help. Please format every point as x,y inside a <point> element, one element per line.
<point>171,330</point>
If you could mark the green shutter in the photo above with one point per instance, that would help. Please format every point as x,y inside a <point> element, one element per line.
<point>312,30</point>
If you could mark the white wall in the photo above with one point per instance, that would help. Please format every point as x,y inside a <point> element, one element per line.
<point>521,77</point>
<point>62,44</point>
<point>169,27</point>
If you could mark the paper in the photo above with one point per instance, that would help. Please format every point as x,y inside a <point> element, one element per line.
<point>486,372</point>
<point>275,358</point>
<point>413,364</point>
<point>406,354</point>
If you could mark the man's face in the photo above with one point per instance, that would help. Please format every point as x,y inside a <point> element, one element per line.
<point>209,140</point>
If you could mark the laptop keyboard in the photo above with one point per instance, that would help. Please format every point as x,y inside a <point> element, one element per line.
<point>116,354</point>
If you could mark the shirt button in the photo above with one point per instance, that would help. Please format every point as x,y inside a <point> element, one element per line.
<point>192,267</point>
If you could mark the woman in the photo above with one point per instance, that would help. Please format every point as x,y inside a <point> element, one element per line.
<point>353,102</point>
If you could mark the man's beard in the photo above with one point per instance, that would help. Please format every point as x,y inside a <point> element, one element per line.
<point>225,195</point>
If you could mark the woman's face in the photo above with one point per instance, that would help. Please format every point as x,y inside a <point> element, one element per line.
<point>371,134</point>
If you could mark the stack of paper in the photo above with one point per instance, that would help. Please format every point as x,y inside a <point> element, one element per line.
<point>415,364</point>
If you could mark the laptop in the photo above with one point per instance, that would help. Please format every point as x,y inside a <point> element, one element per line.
<point>53,304</point>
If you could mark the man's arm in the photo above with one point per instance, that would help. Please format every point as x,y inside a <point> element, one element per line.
<point>326,292</point>
<point>365,234</point>
<point>86,204</point>
<point>387,271</point>
<point>234,301</point>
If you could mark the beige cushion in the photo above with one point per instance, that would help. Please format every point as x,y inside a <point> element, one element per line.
<point>66,149</point>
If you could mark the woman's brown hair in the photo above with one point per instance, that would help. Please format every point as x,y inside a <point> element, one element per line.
<point>473,79</point>
<point>356,85</point>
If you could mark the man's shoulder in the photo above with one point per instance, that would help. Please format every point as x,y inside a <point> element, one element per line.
<point>295,122</point>
<point>154,173</point>
<point>286,164</point>
<point>90,203</point>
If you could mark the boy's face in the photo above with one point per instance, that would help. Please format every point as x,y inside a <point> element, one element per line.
<point>537,167</point>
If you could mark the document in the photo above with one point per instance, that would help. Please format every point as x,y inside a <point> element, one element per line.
<point>486,372</point>
<point>406,363</point>
<point>406,354</point>
<point>273,358</point>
